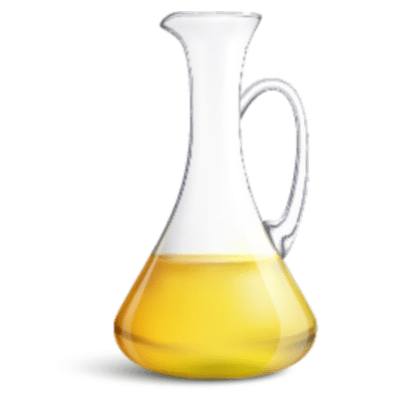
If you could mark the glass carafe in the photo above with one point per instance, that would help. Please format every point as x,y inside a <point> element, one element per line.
<point>215,299</point>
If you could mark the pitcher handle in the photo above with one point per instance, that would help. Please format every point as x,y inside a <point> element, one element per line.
<point>283,231</point>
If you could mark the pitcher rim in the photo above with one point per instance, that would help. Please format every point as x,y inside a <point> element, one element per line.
<point>239,14</point>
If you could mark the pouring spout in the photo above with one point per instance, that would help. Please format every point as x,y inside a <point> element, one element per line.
<point>208,33</point>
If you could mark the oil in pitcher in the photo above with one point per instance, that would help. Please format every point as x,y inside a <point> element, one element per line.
<point>216,316</point>
<point>215,299</point>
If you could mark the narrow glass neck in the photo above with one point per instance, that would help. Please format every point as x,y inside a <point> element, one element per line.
<point>215,46</point>
<point>215,98</point>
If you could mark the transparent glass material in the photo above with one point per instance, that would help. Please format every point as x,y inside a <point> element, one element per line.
<point>215,299</point>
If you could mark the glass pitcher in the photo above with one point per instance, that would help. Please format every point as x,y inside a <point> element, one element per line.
<point>215,299</point>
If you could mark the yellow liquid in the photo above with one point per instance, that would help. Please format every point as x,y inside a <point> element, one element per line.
<point>215,317</point>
